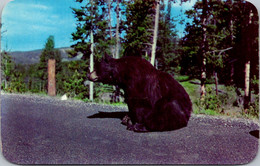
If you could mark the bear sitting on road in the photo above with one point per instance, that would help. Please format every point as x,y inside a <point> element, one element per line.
<point>156,101</point>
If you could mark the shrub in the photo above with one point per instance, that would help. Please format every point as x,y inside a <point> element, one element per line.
<point>212,101</point>
<point>253,109</point>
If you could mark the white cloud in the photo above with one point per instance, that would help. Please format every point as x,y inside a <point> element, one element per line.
<point>25,11</point>
<point>42,28</point>
<point>29,15</point>
<point>30,22</point>
<point>38,6</point>
<point>27,6</point>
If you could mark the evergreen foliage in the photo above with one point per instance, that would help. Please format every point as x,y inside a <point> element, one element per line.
<point>49,52</point>
<point>12,78</point>
<point>74,83</point>
<point>91,16</point>
<point>226,41</point>
<point>139,27</point>
<point>230,42</point>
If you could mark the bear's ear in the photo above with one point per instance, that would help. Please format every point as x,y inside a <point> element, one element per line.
<point>107,58</point>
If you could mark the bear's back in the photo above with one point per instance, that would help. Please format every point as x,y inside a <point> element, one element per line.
<point>134,67</point>
<point>137,62</point>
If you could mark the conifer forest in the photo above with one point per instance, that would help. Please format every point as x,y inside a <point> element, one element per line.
<point>215,58</point>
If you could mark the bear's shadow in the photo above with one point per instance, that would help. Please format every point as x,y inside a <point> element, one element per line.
<point>118,115</point>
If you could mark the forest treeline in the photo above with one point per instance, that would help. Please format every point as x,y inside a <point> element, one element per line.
<point>219,45</point>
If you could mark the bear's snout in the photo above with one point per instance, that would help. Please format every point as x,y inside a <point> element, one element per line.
<point>93,76</point>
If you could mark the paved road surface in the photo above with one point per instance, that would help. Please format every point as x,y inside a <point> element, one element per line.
<point>42,130</point>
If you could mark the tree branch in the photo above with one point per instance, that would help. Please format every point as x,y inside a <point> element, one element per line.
<point>221,51</point>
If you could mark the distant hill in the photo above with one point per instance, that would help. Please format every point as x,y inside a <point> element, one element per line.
<point>32,57</point>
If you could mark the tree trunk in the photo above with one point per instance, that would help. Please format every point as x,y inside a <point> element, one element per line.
<point>91,85</point>
<point>116,94</point>
<point>203,79</point>
<point>231,24</point>
<point>117,29</point>
<point>110,26</point>
<point>247,83</point>
<point>203,52</point>
<point>247,64</point>
<point>155,33</point>
<point>51,77</point>
<point>232,73</point>
<point>216,81</point>
<point>109,17</point>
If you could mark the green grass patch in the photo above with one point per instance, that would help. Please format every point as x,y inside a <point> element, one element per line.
<point>206,112</point>
<point>181,78</point>
<point>118,104</point>
<point>192,90</point>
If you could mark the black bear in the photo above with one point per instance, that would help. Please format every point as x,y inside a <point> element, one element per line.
<point>156,101</point>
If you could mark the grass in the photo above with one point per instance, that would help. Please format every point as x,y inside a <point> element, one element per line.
<point>206,112</point>
<point>192,90</point>
<point>223,102</point>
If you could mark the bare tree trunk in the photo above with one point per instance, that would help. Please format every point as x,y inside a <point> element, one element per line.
<point>216,81</point>
<point>203,79</point>
<point>109,17</point>
<point>231,24</point>
<point>232,73</point>
<point>110,25</point>
<point>203,52</point>
<point>117,30</point>
<point>247,65</point>
<point>116,88</point>
<point>91,85</point>
<point>155,33</point>
<point>231,28</point>
<point>51,77</point>
<point>247,82</point>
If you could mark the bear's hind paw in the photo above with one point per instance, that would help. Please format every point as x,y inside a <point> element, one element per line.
<point>137,128</point>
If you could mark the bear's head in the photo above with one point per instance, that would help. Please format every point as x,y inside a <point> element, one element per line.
<point>104,71</point>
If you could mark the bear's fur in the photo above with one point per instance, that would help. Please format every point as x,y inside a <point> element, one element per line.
<point>156,101</point>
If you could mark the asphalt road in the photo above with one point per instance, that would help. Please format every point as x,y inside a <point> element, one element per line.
<point>42,130</point>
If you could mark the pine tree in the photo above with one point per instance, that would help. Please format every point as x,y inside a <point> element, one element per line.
<point>91,16</point>
<point>139,27</point>
<point>7,68</point>
<point>210,28</point>
<point>231,42</point>
<point>250,40</point>
<point>73,80</point>
<point>167,45</point>
<point>91,32</point>
<point>12,78</point>
<point>49,52</point>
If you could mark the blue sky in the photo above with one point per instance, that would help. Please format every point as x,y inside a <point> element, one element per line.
<point>28,23</point>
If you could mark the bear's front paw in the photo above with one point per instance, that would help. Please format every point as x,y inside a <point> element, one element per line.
<point>126,121</point>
